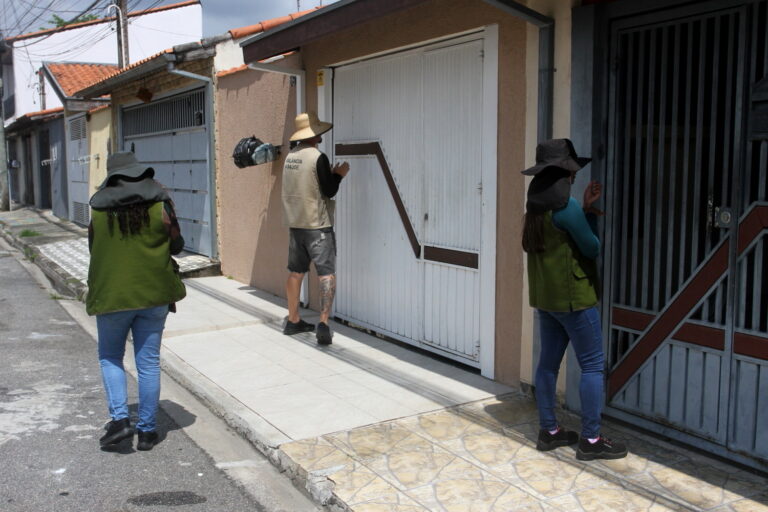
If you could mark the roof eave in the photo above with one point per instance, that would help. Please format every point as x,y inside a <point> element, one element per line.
<point>324,22</point>
<point>129,75</point>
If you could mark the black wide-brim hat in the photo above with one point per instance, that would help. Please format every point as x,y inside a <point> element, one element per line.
<point>558,153</point>
<point>125,165</point>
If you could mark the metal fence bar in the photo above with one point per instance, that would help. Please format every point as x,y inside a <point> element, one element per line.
<point>712,231</point>
<point>661,176</point>
<point>683,271</point>
<point>672,241</point>
<point>638,175</point>
<point>695,225</point>
<point>628,86</point>
<point>647,281</point>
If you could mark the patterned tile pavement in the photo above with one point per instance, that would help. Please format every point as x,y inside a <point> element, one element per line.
<point>73,256</point>
<point>481,457</point>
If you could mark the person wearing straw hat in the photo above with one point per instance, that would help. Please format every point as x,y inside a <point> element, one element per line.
<point>560,237</point>
<point>132,285</point>
<point>309,185</point>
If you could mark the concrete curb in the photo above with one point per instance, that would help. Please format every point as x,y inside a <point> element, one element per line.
<point>60,278</point>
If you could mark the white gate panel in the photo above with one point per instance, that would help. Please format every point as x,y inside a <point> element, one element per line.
<point>379,281</point>
<point>453,120</point>
<point>424,109</point>
<point>382,100</point>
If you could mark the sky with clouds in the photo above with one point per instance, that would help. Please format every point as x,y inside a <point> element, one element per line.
<point>22,16</point>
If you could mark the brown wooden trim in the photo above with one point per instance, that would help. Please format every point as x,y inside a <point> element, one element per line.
<point>695,334</point>
<point>631,319</point>
<point>751,226</point>
<point>374,148</point>
<point>701,335</point>
<point>317,25</point>
<point>750,345</point>
<point>451,256</point>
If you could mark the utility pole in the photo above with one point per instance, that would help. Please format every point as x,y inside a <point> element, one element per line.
<point>121,7</point>
<point>124,27</point>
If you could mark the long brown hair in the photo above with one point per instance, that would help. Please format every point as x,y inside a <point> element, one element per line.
<point>533,232</point>
<point>130,219</point>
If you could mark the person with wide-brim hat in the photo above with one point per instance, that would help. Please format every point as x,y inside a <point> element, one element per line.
<point>309,185</point>
<point>561,240</point>
<point>132,286</point>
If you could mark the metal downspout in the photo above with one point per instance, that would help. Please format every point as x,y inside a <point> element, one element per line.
<point>546,27</point>
<point>211,151</point>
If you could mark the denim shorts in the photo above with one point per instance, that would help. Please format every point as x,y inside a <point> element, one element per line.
<point>312,245</point>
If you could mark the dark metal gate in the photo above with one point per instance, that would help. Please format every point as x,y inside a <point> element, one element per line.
<point>687,232</point>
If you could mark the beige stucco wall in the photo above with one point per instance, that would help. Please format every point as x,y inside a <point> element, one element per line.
<point>99,132</point>
<point>560,10</point>
<point>253,241</point>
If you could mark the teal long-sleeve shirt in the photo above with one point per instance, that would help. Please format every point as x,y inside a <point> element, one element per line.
<point>582,227</point>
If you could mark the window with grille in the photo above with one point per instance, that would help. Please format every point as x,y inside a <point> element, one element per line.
<point>181,111</point>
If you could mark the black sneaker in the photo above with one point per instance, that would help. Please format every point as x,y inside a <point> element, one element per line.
<point>324,334</point>
<point>603,448</point>
<point>292,328</point>
<point>549,441</point>
<point>147,440</point>
<point>117,430</point>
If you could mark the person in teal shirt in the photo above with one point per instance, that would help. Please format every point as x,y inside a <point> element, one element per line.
<point>561,239</point>
<point>132,285</point>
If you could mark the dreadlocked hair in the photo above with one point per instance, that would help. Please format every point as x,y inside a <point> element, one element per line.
<point>533,232</point>
<point>130,218</point>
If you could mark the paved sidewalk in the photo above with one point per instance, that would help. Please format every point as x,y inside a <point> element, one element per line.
<point>370,426</point>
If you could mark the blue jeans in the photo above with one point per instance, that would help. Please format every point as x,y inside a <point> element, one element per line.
<point>582,328</point>
<point>147,327</point>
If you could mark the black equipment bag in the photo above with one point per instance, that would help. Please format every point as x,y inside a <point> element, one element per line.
<point>244,151</point>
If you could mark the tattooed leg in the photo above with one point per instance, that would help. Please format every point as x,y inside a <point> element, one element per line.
<point>327,293</point>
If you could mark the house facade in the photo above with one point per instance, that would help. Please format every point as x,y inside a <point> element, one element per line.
<point>42,69</point>
<point>439,105</point>
<point>164,110</point>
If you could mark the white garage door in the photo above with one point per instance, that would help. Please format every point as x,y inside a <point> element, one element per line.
<point>410,215</point>
<point>170,135</point>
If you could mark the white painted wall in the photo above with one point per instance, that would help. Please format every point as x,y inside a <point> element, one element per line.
<point>229,55</point>
<point>147,35</point>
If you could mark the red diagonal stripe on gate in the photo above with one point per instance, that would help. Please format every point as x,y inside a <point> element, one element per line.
<point>684,302</point>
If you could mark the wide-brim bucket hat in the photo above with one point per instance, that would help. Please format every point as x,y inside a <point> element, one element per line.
<point>558,153</point>
<point>308,126</point>
<point>125,165</point>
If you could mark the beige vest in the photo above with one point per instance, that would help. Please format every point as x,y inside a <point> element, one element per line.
<point>304,205</point>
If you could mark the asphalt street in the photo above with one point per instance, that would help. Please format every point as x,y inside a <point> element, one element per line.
<point>52,412</point>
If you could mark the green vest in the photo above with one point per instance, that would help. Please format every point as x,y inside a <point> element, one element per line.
<point>131,272</point>
<point>304,205</point>
<point>561,278</point>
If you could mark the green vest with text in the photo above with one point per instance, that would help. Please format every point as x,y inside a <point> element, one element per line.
<point>560,278</point>
<point>133,271</point>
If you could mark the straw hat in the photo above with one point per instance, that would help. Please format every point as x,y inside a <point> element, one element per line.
<point>308,126</point>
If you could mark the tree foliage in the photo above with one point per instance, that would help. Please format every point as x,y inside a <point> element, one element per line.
<point>58,21</point>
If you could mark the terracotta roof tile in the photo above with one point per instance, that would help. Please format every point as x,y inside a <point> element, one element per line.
<point>98,109</point>
<point>231,71</point>
<point>100,20</point>
<point>116,71</point>
<point>73,77</point>
<point>42,113</point>
<point>263,26</point>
